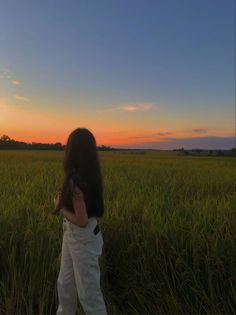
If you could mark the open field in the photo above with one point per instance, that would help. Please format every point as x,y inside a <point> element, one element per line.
<point>169,233</point>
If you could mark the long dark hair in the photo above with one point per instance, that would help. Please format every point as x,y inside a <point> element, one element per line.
<point>82,168</point>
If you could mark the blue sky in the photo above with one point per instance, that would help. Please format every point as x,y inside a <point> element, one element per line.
<point>131,71</point>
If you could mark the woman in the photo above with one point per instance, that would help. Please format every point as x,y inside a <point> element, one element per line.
<point>81,203</point>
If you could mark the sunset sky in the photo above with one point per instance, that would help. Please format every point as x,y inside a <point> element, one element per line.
<point>137,73</point>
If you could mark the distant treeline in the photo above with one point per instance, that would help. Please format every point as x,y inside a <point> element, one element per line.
<point>7,143</point>
<point>205,152</point>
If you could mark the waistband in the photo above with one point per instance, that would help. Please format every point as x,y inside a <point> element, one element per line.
<point>91,220</point>
<point>92,224</point>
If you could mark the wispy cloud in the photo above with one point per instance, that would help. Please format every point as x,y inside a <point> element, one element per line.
<point>136,107</point>
<point>200,130</point>
<point>15,82</point>
<point>21,98</point>
<point>133,107</point>
<point>141,137</point>
<point>5,74</point>
<point>129,108</point>
<point>162,133</point>
<point>153,135</point>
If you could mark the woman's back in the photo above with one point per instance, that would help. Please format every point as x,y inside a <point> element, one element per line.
<point>92,198</point>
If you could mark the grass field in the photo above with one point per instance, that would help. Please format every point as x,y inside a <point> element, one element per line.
<point>169,233</point>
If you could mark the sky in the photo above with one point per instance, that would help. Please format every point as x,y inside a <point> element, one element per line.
<point>156,74</point>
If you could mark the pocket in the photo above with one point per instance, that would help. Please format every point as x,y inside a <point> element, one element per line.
<point>76,227</point>
<point>78,232</point>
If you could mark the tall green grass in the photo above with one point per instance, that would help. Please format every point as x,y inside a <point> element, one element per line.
<point>169,233</point>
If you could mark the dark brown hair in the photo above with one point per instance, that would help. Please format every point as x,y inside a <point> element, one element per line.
<point>82,168</point>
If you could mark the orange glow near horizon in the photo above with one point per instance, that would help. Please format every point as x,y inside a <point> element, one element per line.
<point>129,139</point>
<point>30,124</point>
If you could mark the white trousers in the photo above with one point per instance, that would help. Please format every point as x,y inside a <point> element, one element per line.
<point>80,271</point>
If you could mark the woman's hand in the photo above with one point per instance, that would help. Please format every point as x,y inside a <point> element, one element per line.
<point>57,198</point>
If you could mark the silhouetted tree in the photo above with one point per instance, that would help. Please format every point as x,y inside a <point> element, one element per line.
<point>5,138</point>
<point>7,143</point>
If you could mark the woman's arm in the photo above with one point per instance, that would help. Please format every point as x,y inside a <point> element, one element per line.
<point>72,217</point>
<point>79,206</point>
<point>80,216</point>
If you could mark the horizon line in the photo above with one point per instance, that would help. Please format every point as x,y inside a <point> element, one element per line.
<point>180,148</point>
